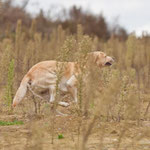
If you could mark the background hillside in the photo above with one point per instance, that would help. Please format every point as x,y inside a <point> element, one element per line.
<point>94,25</point>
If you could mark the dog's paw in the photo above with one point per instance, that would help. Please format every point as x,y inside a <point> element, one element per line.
<point>64,104</point>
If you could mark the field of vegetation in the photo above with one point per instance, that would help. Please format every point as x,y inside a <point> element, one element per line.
<point>113,110</point>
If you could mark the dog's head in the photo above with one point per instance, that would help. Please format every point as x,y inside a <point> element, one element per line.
<point>101,59</point>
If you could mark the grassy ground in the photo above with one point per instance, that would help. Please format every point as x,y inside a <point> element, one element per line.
<point>36,134</point>
<point>42,132</point>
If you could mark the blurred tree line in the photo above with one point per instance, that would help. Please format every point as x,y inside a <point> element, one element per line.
<point>94,25</point>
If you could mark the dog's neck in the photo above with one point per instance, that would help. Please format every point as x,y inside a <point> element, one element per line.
<point>88,63</point>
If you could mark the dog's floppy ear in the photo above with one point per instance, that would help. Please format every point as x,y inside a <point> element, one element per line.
<point>93,57</point>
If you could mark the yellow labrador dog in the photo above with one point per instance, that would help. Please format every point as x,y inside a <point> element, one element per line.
<point>44,76</point>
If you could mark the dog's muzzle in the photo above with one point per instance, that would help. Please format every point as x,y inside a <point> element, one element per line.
<point>110,62</point>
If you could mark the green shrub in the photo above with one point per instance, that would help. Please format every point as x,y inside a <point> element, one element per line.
<point>8,123</point>
<point>9,86</point>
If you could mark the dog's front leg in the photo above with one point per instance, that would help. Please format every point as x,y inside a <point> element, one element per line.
<point>53,96</point>
<point>71,86</point>
<point>52,93</point>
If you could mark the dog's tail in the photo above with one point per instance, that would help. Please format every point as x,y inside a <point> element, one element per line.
<point>21,91</point>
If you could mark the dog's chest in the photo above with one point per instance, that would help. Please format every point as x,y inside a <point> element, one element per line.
<point>62,85</point>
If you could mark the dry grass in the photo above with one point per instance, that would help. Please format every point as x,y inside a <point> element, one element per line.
<point>113,110</point>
